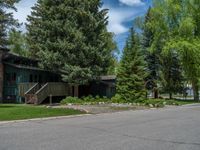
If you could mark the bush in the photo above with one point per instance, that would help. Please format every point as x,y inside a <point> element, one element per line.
<point>172,102</point>
<point>88,99</point>
<point>71,100</point>
<point>117,99</point>
<point>85,100</point>
<point>154,102</point>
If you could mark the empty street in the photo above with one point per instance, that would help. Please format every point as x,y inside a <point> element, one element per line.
<point>175,128</point>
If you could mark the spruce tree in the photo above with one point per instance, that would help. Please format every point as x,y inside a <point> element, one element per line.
<point>151,58</point>
<point>70,37</point>
<point>131,73</point>
<point>6,19</point>
<point>17,43</point>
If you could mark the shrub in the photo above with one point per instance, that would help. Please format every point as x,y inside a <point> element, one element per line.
<point>117,99</point>
<point>172,102</point>
<point>72,100</point>
<point>85,100</point>
<point>88,99</point>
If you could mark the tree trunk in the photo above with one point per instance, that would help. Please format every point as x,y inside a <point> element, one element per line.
<point>155,93</point>
<point>195,88</point>
<point>170,96</point>
<point>76,91</point>
<point>146,94</point>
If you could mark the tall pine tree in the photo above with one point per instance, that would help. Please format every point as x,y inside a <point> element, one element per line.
<point>70,37</point>
<point>6,19</point>
<point>17,43</point>
<point>151,58</point>
<point>131,73</point>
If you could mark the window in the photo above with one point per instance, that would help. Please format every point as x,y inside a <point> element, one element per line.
<point>36,78</point>
<point>11,78</point>
<point>31,78</point>
<point>40,78</point>
<point>14,77</point>
<point>8,78</point>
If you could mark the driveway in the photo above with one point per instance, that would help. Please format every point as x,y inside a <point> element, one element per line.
<point>162,129</point>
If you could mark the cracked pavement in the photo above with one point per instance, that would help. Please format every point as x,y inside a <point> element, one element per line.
<point>176,128</point>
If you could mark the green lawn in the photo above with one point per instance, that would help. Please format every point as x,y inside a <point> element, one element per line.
<point>18,112</point>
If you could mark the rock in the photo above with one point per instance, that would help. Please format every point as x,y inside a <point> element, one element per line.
<point>134,104</point>
<point>151,105</point>
<point>69,104</point>
<point>164,103</point>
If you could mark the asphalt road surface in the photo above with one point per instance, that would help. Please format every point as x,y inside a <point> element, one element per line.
<point>162,129</point>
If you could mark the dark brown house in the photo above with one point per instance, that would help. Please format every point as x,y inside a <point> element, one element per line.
<point>22,81</point>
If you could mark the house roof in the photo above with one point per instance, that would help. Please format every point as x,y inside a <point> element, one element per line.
<point>4,49</point>
<point>11,55</point>
<point>23,67</point>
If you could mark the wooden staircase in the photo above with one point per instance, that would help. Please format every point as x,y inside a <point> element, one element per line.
<point>39,92</point>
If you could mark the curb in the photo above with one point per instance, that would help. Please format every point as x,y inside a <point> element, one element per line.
<point>43,119</point>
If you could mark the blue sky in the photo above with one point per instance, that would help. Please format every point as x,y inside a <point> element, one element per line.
<point>121,15</point>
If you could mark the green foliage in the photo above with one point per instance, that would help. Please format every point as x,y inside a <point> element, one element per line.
<point>71,37</point>
<point>171,75</point>
<point>175,28</point>
<point>72,100</point>
<point>17,43</point>
<point>112,70</point>
<point>118,99</point>
<point>131,73</point>
<point>19,112</point>
<point>153,102</point>
<point>6,19</point>
<point>85,100</point>
<point>152,58</point>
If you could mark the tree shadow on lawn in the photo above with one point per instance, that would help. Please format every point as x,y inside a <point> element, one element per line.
<point>7,106</point>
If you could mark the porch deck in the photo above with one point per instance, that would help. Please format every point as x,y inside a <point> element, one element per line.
<point>36,93</point>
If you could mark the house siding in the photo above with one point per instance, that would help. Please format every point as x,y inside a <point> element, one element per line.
<point>14,76</point>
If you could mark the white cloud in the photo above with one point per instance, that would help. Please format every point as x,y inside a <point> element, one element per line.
<point>132,2</point>
<point>24,9</point>
<point>118,17</point>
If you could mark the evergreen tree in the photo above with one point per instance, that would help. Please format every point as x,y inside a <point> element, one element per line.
<point>70,37</point>
<point>17,43</point>
<point>151,58</point>
<point>6,19</point>
<point>131,73</point>
<point>112,70</point>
